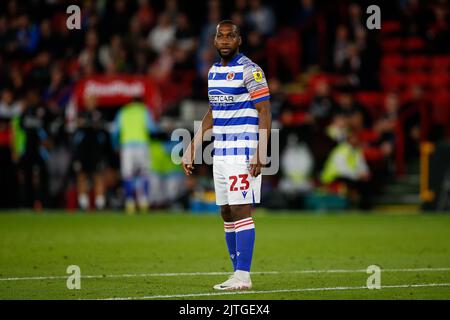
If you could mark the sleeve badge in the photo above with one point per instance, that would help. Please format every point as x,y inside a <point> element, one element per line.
<point>257,75</point>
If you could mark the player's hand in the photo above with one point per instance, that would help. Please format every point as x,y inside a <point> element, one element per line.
<point>188,167</point>
<point>255,168</point>
<point>188,159</point>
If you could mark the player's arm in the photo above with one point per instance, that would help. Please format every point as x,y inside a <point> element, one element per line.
<point>258,89</point>
<point>188,157</point>
<point>265,120</point>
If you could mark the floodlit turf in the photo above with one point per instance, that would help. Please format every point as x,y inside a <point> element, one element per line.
<point>131,256</point>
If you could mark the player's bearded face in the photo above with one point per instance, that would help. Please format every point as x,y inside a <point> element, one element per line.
<point>227,42</point>
<point>226,53</point>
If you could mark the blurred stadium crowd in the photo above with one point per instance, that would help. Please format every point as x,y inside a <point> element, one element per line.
<point>352,104</point>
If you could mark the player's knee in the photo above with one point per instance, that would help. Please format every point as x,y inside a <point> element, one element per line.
<point>239,212</point>
<point>226,213</point>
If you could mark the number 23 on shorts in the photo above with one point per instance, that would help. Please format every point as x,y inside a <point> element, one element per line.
<point>244,183</point>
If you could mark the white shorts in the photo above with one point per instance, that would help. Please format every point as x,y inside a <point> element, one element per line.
<point>234,185</point>
<point>134,161</point>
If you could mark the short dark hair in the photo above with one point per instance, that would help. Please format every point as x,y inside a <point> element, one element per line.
<point>236,27</point>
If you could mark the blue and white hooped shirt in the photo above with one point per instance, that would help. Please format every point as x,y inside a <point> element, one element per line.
<point>233,91</point>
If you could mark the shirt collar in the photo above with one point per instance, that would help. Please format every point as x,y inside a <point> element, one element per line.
<point>233,61</point>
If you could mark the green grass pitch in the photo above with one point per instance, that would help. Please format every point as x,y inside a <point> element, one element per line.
<point>157,256</point>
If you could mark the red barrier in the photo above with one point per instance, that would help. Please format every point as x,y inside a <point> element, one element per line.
<point>117,90</point>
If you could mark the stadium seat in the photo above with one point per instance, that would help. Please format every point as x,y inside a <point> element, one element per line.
<point>392,45</point>
<point>441,108</point>
<point>170,93</point>
<point>184,78</point>
<point>390,28</point>
<point>440,63</point>
<point>417,63</point>
<point>414,44</point>
<point>392,63</point>
<point>372,101</point>
<point>314,79</point>
<point>393,81</point>
<point>417,78</point>
<point>284,47</point>
<point>299,99</point>
<point>440,81</point>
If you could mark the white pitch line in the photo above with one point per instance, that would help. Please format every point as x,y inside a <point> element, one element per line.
<point>191,295</point>
<point>181,274</point>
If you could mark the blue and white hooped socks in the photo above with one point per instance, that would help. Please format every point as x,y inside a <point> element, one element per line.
<point>245,241</point>
<point>230,238</point>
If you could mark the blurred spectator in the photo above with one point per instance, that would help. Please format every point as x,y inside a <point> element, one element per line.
<point>351,67</point>
<point>416,116</point>
<point>305,11</point>
<point>27,36</point>
<point>241,6</point>
<point>208,30</point>
<point>89,57</point>
<point>161,69</point>
<point>12,10</point>
<point>254,48</point>
<point>438,32</point>
<point>162,35</point>
<point>8,184</point>
<point>207,57</point>
<point>117,19</point>
<point>172,11</point>
<point>413,17</point>
<point>138,52</point>
<point>347,106</point>
<point>369,54</point>
<point>89,165</point>
<point>297,164</point>
<point>355,18</point>
<point>48,40</point>
<point>7,172</point>
<point>322,105</point>
<point>341,45</point>
<point>113,56</point>
<point>261,18</point>
<point>131,135</point>
<point>386,125</point>
<point>318,117</point>
<point>134,39</point>
<point>3,32</point>
<point>347,165</point>
<point>9,106</point>
<point>90,18</point>
<point>167,179</point>
<point>238,17</point>
<point>33,162</point>
<point>184,35</point>
<point>40,72</point>
<point>305,19</point>
<point>145,15</point>
<point>185,43</point>
<point>277,98</point>
<point>58,93</point>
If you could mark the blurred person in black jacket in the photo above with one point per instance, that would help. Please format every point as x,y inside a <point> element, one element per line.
<point>33,176</point>
<point>91,151</point>
<point>9,108</point>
